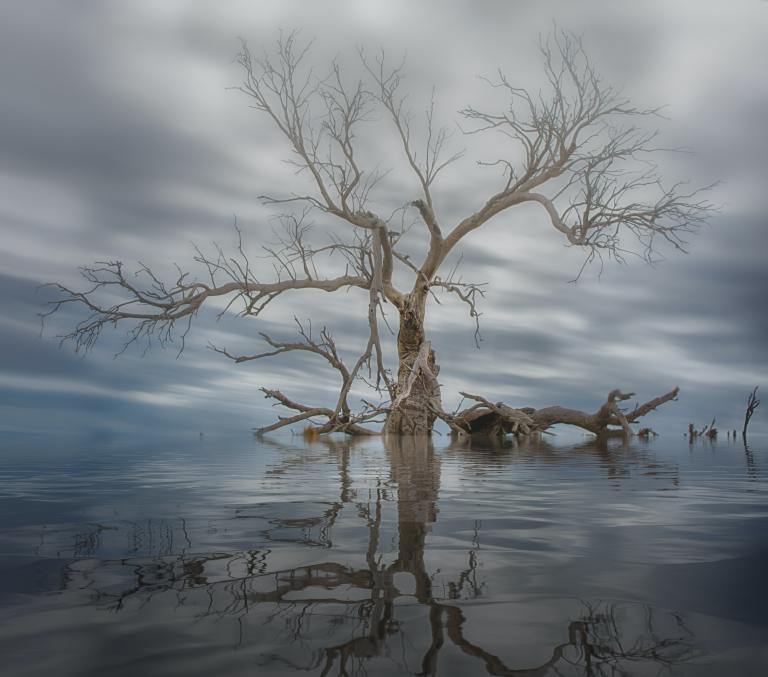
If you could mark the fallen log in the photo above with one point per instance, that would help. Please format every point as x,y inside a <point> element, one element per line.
<point>495,419</point>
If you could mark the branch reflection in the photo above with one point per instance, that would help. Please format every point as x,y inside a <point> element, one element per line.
<point>338,614</point>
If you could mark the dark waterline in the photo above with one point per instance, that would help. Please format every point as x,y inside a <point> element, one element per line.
<point>232,556</point>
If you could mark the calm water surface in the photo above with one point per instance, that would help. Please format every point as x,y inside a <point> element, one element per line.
<point>231,556</point>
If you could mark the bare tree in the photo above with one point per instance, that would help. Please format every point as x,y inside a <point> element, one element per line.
<point>575,150</point>
<point>752,404</point>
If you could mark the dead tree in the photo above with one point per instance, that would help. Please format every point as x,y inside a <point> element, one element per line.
<point>575,149</point>
<point>752,404</point>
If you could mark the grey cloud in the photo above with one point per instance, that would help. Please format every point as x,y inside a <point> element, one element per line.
<point>141,164</point>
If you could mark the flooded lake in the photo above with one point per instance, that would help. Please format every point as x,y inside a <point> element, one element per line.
<point>237,556</point>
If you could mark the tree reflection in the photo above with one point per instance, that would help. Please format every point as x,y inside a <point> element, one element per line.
<point>753,471</point>
<point>337,617</point>
<point>610,453</point>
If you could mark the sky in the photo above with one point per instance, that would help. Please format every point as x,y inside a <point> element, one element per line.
<point>122,138</point>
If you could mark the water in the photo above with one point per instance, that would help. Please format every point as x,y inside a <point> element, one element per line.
<point>230,556</point>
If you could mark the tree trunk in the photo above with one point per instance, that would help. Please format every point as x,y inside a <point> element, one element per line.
<point>417,394</point>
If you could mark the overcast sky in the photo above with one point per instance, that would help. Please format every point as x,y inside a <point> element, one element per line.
<point>120,139</point>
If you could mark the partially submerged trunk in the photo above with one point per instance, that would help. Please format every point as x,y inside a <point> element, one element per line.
<point>417,393</point>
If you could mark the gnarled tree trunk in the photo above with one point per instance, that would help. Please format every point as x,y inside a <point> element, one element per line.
<point>417,394</point>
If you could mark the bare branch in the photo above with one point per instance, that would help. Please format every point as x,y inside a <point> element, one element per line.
<point>151,308</point>
<point>468,293</point>
<point>319,116</point>
<point>580,139</point>
<point>335,423</point>
<point>387,87</point>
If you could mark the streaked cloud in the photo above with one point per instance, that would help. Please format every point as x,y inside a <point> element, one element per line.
<point>120,140</point>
